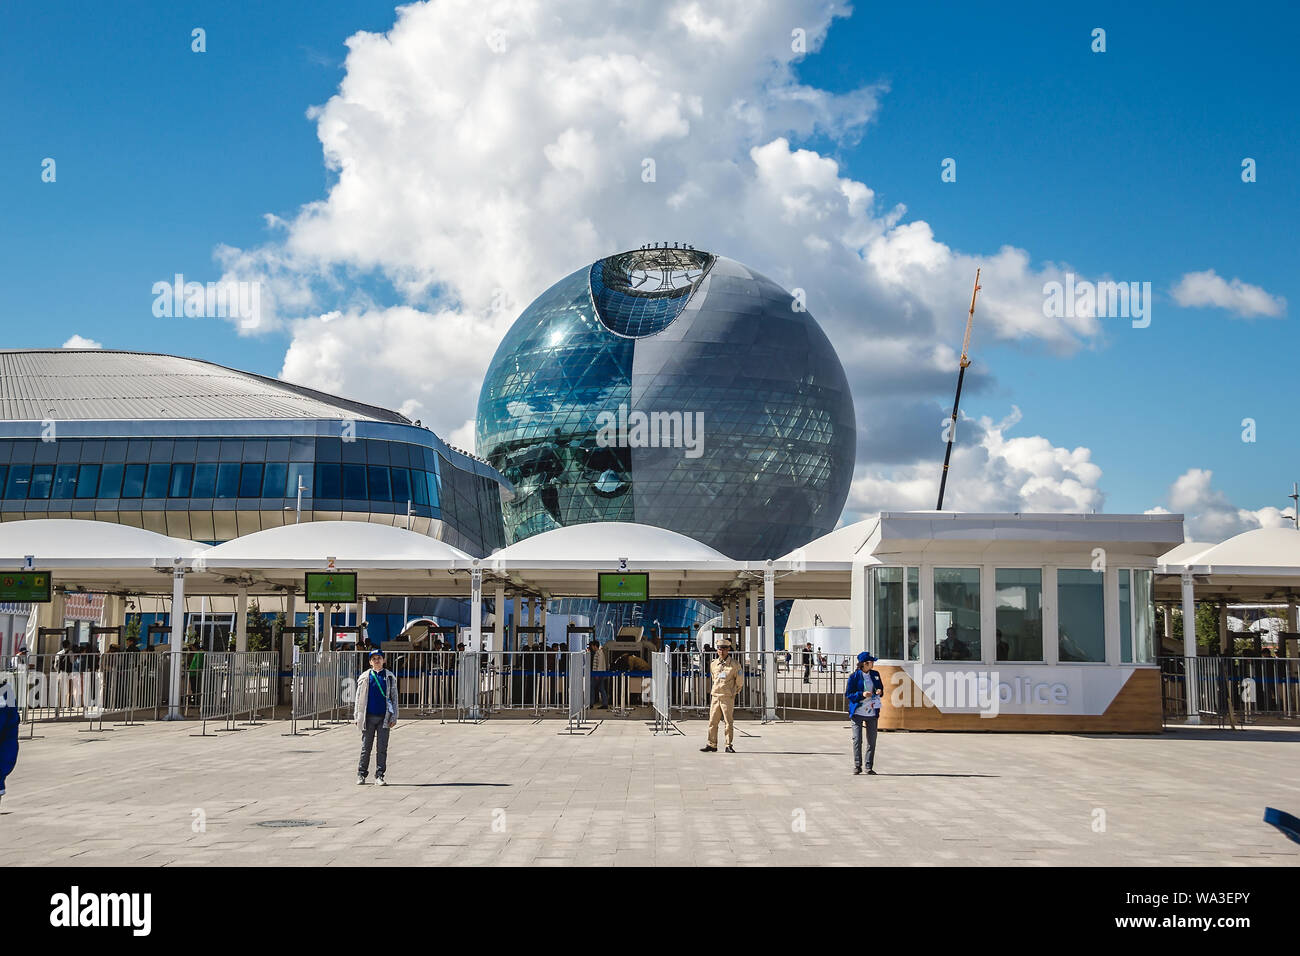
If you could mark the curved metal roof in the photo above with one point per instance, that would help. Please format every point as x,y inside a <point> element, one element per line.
<point>106,385</point>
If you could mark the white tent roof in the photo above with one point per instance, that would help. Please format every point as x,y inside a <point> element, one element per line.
<point>565,562</point>
<point>353,545</point>
<point>95,555</point>
<point>602,544</point>
<point>839,547</point>
<point>1185,553</point>
<point>1261,551</point>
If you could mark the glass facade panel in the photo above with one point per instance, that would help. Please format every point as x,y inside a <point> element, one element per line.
<point>1081,615</point>
<point>20,477</point>
<point>65,482</point>
<point>250,480</point>
<point>354,481</point>
<point>205,480</point>
<point>401,485</point>
<point>1125,616</point>
<point>110,481</point>
<point>379,485</point>
<point>156,481</point>
<point>133,481</point>
<point>957,614</point>
<point>1144,618</point>
<point>42,478</point>
<point>274,479</point>
<point>87,481</point>
<point>182,479</point>
<point>1019,614</point>
<point>896,616</point>
<point>328,483</point>
<point>298,470</point>
<point>227,480</point>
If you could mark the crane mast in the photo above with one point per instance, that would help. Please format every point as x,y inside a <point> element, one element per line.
<point>961,375</point>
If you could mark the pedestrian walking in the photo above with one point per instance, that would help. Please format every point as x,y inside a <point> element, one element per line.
<point>727,678</point>
<point>375,712</point>
<point>10,723</point>
<point>864,692</point>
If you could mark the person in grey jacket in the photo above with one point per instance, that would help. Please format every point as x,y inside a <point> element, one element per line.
<point>375,712</point>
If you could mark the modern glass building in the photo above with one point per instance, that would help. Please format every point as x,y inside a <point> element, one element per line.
<point>675,388</point>
<point>195,450</point>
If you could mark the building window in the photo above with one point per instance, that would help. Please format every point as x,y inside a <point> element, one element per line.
<point>87,481</point>
<point>250,480</point>
<point>957,614</point>
<point>354,482</point>
<point>20,476</point>
<point>298,470</point>
<point>401,485</point>
<point>379,486</point>
<point>1144,618</point>
<point>327,482</point>
<point>273,482</point>
<point>1081,621</point>
<point>110,481</point>
<point>182,477</point>
<point>42,478</point>
<point>1019,614</point>
<point>133,481</point>
<point>1125,616</point>
<point>205,480</point>
<point>65,481</point>
<point>155,485</point>
<point>227,480</point>
<point>896,621</point>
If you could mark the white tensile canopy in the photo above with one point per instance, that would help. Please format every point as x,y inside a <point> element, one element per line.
<point>96,555</point>
<point>1258,566</point>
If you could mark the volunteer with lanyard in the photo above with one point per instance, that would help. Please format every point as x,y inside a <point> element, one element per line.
<point>375,712</point>
<point>864,692</point>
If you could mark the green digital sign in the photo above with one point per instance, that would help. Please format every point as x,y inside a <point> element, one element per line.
<point>25,587</point>
<point>331,587</point>
<point>624,587</point>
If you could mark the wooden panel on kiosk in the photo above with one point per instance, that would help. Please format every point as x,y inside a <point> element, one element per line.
<point>1135,710</point>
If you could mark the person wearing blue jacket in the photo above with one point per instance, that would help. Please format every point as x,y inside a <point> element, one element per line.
<point>865,692</point>
<point>9,727</point>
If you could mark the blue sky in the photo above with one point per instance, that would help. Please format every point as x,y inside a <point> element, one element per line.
<point>1124,164</point>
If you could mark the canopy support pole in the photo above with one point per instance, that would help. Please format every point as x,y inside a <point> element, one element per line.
<point>768,642</point>
<point>241,620</point>
<point>178,637</point>
<point>1189,647</point>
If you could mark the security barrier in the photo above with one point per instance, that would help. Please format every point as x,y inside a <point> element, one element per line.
<point>690,682</point>
<point>806,681</point>
<point>536,682</point>
<point>323,686</point>
<point>426,682</point>
<point>1231,689</point>
<point>234,683</point>
<point>660,670</point>
<point>89,686</point>
<point>579,666</point>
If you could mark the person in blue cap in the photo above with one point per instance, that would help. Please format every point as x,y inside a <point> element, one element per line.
<point>865,692</point>
<point>10,723</point>
<point>375,711</point>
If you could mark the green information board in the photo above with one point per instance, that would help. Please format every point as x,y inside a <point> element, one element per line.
<point>625,587</point>
<point>331,587</point>
<point>25,587</point>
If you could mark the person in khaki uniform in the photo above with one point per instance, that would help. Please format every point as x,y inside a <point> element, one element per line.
<point>727,677</point>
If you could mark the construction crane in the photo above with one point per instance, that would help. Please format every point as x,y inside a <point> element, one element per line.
<point>961,375</point>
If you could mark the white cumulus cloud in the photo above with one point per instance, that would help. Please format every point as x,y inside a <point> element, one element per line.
<point>80,342</point>
<point>1210,515</point>
<point>1208,288</point>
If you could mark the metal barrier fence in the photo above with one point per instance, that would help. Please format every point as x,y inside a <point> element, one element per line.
<point>811,682</point>
<point>660,670</point>
<point>532,681</point>
<point>1231,688</point>
<point>324,683</point>
<point>579,667</point>
<point>89,686</point>
<point>690,681</point>
<point>234,683</point>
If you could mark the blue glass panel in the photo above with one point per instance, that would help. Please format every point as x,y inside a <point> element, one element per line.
<point>133,481</point>
<point>420,487</point>
<point>227,480</point>
<point>20,477</point>
<point>65,481</point>
<point>250,481</point>
<point>110,481</point>
<point>182,479</point>
<point>205,480</point>
<point>401,485</point>
<point>379,486</point>
<point>274,479</point>
<point>156,481</point>
<point>328,483</point>
<point>298,470</point>
<point>42,477</point>
<point>354,481</point>
<point>87,481</point>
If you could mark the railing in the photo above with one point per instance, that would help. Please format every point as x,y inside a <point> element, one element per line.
<point>690,681</point>
<point>812,682</point>
<point>324,683</point>
<point>234,683</point>
<point>89,686</point>
<point>1229,689</point>
<point>660,697</point>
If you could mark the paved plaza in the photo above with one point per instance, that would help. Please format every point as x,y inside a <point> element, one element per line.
<point>519,792</point>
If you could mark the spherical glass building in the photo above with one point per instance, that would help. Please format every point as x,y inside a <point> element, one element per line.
<point>674,388</point>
